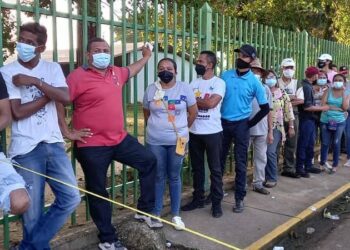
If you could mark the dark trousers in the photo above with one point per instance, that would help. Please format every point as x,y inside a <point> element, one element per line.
<point>238,133</point>
<point>305,146</point>
<point>290,146</point>
<point>210,144</point>
<point>95,162</point>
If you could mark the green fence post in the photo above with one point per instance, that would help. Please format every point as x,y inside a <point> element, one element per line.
<point>304,57</point>
<point>206,29</point>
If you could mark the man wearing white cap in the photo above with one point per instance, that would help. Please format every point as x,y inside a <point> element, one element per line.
<point>289,84</point>
<point>325,64</point>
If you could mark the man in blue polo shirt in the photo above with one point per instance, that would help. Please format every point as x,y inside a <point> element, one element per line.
<point>241,88</point>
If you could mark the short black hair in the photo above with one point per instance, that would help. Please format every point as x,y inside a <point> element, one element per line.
<point>36,29</point>
<point>94,40</point>
<point>211,56</point>
<point>169,60</point>
<point>341,75</point>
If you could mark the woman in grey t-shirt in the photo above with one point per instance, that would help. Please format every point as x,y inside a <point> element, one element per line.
<point>169,108</point>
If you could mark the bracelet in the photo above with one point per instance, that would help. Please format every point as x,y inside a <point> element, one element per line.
<point>291,126</point>
<point>41,81</point>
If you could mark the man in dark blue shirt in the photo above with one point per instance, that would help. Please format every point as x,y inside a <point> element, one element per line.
<point>307,126</point>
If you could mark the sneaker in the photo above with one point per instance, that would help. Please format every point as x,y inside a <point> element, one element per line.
<point>326,166</point>
<point>314,170</point>
<point>119,246</point>
<point>180,225</point>
<point>106,246</point>
<point>195,203</point>
<point>347,163</point>
<point>270,184</point>
<point>261,190</point>
<point>216,210</point>
<point>151,222</point>
<point>239,206</point>
<point>290,174</point>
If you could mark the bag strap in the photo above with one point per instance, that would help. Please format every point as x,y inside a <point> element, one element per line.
<point>172,122</point>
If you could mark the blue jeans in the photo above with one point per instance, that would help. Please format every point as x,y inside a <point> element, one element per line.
<point>305,144</point>
<point>271,168</point>
<point>49,159</point>
<point>329,136</point>
<point>347,135</point>
<point>10,180</point>
<point>95,161</point>
<point>169,166</point>
<point>238,133</point>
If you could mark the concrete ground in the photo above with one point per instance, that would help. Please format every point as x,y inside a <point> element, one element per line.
<point>261,215</point>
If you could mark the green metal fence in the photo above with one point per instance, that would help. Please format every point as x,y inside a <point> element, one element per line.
<point>176,31</point>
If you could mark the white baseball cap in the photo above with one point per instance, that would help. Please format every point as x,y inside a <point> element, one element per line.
<point>325,57</point>
<point>287,62</point>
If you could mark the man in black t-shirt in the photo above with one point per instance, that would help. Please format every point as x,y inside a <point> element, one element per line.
<point>13,195</point>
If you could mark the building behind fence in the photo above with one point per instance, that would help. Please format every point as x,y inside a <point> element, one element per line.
<point>179,32</point>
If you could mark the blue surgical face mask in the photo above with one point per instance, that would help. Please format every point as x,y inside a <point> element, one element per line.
<point>101,60</point>
<point>338,85</point>
<point>271,82</point>
<point>25,51</point>
<point>321,81</point>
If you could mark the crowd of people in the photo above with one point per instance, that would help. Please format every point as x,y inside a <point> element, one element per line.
<point>249,106</point>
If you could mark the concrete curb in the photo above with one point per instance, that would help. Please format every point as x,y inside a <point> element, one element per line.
<point>280,231</point>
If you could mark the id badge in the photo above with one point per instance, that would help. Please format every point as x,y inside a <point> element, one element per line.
<point>181,145</point>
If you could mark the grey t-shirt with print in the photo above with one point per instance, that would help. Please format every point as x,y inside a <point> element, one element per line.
<point>160,130</point>
<point>262,127</point>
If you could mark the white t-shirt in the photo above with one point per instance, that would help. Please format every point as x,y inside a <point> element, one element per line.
<point>43,125</point>
<point>290,88</point>
<point>208,121</point>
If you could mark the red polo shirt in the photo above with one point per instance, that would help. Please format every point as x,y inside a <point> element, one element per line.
<point>98,104</point>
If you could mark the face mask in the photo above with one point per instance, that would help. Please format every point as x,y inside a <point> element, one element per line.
<point>240,64</point>
<point>289,73</point>
<point>165,76</point>
<point>337,85</point>
<point>101,60</point>
<point>271,82</point>
<point>321,64</point>
<point>258,77</point>
<point>25,51</point>
<point>200,69</point>
<point>321,81</point>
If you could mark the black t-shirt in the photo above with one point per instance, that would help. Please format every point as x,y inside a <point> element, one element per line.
<point>309,101</point>
<point>3,95</point>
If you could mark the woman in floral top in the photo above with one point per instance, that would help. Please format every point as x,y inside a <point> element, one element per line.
<point>282,110</point>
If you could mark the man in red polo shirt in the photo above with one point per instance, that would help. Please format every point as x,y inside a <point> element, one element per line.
<point>96,92</point>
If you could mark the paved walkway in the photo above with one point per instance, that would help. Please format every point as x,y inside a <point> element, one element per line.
<point>289,202</point>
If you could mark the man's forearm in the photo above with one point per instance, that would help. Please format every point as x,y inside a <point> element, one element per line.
<point>22,111</point>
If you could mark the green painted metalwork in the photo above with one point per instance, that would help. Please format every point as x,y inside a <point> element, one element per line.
<point>159,22</point>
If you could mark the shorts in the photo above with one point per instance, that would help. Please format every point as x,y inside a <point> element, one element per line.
<point>10,180</point>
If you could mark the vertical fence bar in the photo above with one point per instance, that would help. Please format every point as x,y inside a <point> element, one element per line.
<point>36,11</point>
<point>156,36</point>
<point>98,18</point>
<point>166,43</point>
<point>183,45</point>
<point>191,42</point>
<point>54,30</point>
<point>228,51</point>
<point>222,43</point>
<point>175,31</point>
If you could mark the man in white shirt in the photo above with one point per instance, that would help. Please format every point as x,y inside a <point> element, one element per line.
<point>34,85</point>
<point>206,134</point>
<point>289,84</point>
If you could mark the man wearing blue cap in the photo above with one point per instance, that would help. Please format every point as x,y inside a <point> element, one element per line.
<point>241,88</point>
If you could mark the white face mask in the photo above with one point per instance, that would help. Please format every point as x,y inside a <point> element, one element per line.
<point>289,73</point>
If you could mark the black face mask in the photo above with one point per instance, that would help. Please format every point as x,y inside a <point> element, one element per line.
<point>320,65</point>
<point>165,76</point>
<point>240,64</point>
<point>200,69</point>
